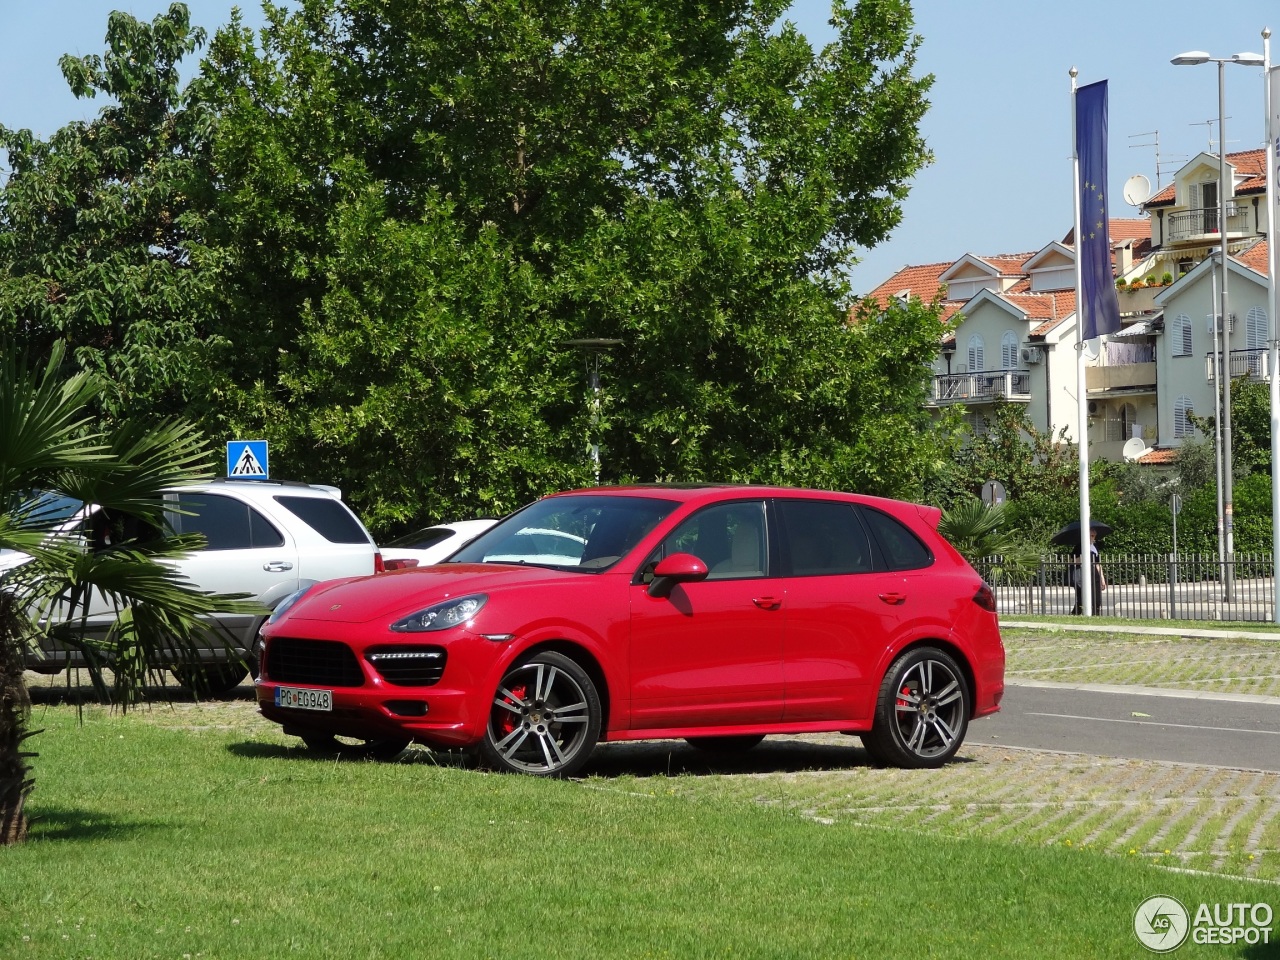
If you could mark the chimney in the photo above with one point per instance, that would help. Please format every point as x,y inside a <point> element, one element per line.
<point>1124,258</point>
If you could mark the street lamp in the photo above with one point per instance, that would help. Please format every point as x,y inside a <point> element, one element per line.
<point>593,348</point>
<point>1191,59</point>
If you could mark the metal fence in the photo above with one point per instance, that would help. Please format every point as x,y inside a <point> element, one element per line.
<point>1141,586</point>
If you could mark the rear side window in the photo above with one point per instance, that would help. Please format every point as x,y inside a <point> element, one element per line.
<point>227,524</point>
<point>422,539</point>
<point>327,517</point>
<point>825,538</point>
<point>902,549</point>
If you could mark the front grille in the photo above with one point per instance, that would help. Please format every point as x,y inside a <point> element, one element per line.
<point>408,666</point>
<point>323,663</point>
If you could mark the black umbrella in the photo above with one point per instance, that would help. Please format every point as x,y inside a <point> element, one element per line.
<point>1069,536</point>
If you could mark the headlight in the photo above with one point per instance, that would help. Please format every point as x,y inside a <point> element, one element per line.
<point>283,606</point>
<point>441,616</point>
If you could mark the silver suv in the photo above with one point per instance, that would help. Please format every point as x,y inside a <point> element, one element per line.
<point>265,538</point>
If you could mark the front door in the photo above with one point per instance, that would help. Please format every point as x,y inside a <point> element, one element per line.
<point>710,653</point>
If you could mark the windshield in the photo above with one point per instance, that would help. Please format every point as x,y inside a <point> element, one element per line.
<point>587,532</point>
<point>48,509</point>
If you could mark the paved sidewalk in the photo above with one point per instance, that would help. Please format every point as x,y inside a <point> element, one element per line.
<point>1175,629</point>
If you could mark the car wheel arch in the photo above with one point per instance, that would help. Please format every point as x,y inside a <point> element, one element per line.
<point>580,655</point>
<point>948,647</point>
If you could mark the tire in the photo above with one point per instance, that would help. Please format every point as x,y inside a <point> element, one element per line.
<point>922,712</point>
<point>350,748</point>
<point>544,720</point>
<point>212,679</point>
<point>729,744</point>
<point>877,756</point>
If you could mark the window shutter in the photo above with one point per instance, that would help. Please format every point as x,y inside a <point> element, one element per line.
<point>1256,328</point>
<point>975,354</point>
<point>1181,422</point>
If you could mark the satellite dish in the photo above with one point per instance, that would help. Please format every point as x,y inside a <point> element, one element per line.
<point>1090,349</point>
<point>1133,448</point>
<point>1137,190</point>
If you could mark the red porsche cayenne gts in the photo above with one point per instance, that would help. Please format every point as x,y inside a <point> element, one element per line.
<point>719,614</point>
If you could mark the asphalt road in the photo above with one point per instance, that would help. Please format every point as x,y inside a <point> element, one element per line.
<point>1137,723</point>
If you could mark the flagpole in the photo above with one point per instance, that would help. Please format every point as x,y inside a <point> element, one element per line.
<point>1082,440</point>
<point>1271,93</point>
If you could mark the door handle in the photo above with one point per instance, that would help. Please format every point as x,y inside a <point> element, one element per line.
<point>767,603</point>
<point>894,599</point>
<point>277,566</point>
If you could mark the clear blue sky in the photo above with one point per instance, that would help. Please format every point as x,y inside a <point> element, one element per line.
<point>999,126</point>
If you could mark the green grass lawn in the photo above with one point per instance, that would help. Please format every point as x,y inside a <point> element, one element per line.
<point>204,838</point>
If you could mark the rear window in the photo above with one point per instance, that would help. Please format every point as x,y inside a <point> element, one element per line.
<point>422,539</point>
<point>902,549</point>
<point>328,517</point>
<point>227,524</point>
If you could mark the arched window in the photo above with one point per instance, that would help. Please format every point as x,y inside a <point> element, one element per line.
<point>1255,326</point>
<point>1181,422</point>
<point>975,354</point>
<point>1009,350</point>
<point>1182,335</point>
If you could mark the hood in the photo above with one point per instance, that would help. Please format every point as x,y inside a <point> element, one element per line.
<point>386,596</point>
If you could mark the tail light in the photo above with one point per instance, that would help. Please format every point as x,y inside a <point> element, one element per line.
<point>985,598</point>
<point>402,564</point>
<point>378,565</point>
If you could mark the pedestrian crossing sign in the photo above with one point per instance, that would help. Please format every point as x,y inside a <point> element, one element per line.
<point>247,459</point>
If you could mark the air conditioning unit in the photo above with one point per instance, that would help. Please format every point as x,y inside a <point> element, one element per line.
<point>1030,354</point>
<point>1093,407</point>
<point>1231,323</point>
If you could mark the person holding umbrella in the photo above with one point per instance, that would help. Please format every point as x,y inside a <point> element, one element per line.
<point>1070,536</point>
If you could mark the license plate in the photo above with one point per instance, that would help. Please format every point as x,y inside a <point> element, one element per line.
<point>300,698</point>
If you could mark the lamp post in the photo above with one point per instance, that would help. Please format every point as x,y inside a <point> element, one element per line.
<point>593,348</point>
<point>1195,58</point>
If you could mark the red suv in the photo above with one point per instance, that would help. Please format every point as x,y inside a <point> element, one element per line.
<point>718,614</point>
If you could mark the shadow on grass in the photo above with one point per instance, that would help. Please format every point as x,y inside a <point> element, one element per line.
<point>641,758</point>
<point>59,825</point>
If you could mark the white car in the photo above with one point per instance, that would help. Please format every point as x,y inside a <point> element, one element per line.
<point>430,545</point>
<point>265,538</point>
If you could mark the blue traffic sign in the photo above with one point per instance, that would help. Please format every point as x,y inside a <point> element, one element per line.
<point>247,459</point>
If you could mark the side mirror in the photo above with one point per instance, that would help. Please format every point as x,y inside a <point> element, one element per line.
<point>677,568</point>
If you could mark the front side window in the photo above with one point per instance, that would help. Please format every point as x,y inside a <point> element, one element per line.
<point>824,538</point>
<point>901,548</point>
<point>728,537</point>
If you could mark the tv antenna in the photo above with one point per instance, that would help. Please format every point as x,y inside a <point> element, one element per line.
<point>1209,124</point>
<point>1161,165</point>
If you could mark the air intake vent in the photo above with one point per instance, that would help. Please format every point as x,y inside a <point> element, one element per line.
<point>322,663</point>
<point>408,666</point>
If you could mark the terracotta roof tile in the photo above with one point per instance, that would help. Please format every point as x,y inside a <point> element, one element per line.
<point>1250,163</point>
<point>917,281</point>
<point>1257,257</point>
<point>1159,456</point>
<point>1008,264</point>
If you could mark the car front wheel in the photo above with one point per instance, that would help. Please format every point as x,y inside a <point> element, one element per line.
<point>922,712</point>
<point>544,719</point>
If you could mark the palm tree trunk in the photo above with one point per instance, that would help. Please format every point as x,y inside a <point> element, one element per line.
<point>15,714</point>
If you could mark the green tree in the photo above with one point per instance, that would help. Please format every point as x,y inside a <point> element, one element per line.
<point>96,223</point>
<point>51,447</point>
<point>420,206</point>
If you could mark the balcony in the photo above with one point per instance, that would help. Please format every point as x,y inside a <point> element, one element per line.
<point>984,387</point>
<point>1252,363</point>
<point>1200,224</point>
<point>1127,377</point>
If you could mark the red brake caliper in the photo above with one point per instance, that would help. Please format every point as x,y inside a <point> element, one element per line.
<point>509,720</point>
<point>902,701</point>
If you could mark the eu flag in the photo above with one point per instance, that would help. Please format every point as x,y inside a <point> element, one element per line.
<point>1099,307</point>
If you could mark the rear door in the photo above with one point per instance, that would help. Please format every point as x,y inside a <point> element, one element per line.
<point>842,609</point>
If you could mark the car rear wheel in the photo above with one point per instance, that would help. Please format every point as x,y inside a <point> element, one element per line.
<point>732,744</point>
<point>544,720</point>
<point>353,748</point>
<point>212,679</point>
<point>922,712</point>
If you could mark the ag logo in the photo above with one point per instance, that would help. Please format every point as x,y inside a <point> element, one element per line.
<point>1161,924</point>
